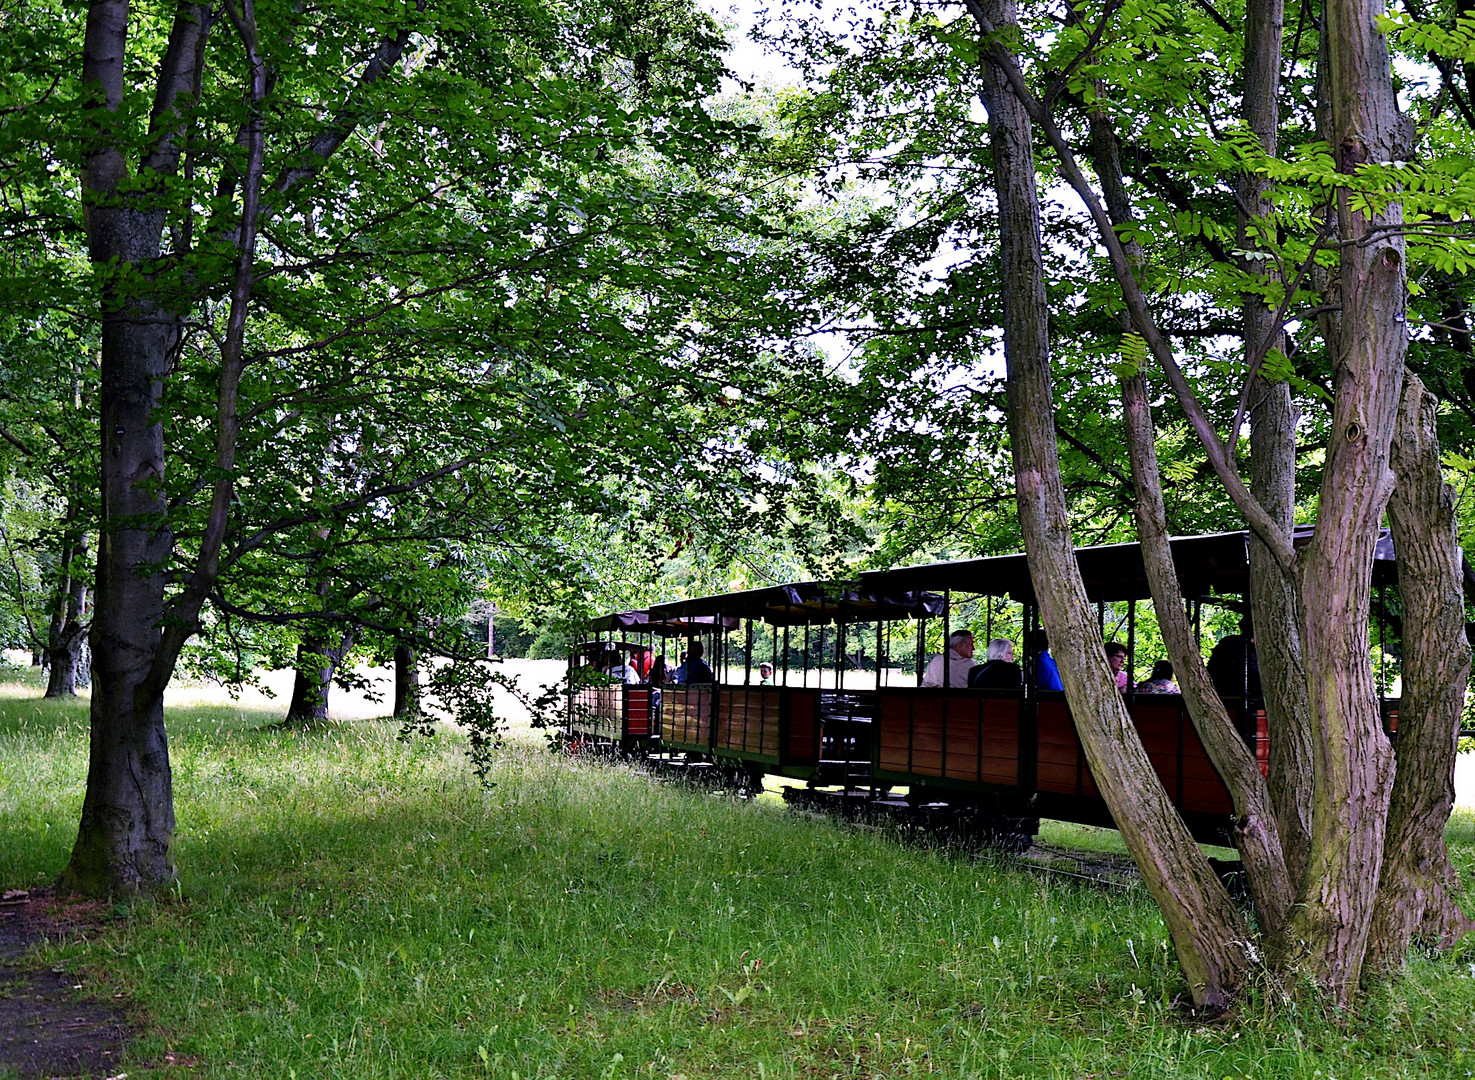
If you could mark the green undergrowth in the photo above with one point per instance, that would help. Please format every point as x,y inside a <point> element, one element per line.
<point>351,905</point>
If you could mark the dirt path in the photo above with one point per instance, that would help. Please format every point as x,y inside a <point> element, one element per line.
<point>49,1026</point>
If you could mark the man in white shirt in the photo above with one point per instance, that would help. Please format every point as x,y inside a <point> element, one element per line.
<point>959,661</point>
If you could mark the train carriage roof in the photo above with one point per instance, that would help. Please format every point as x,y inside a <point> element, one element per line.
<point>643,621</point>
<point>800,603</point>
<point>1213,564</point>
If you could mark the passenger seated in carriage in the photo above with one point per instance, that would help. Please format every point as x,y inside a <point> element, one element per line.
<point>959,653</point>
<point>1000,672</point>
<point>620,670</point>
<point>1116,656</point>
<point>693,668</point>
<point>1045,674</point>
<point>1160,681</point>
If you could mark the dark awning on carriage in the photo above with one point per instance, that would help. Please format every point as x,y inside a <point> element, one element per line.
<point>1210,565</point>
<point>807,602</point>
<point>666,626</point>
<point>594,649</point>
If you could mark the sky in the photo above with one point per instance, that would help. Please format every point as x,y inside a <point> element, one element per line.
<point>747,58</point>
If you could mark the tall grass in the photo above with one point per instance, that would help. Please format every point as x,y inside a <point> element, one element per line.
<point>350,905</point>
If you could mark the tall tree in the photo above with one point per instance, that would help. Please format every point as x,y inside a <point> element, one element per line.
<point>1318,301</point>
<point>491,241</point>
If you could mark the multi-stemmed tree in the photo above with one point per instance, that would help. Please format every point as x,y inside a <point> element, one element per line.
<point>1238,230</point>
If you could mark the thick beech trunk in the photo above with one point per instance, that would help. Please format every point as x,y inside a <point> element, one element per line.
<point>127,825</point>
<point>1206,928</point>
<point>406,681</point>
<point>1257,833</point>
<point>1416,892</point>
<point>1328,929</point>
<point>317,663</point>
<point>126,834</point>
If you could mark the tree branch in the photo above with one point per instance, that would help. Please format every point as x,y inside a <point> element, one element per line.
<point>1255,514</point>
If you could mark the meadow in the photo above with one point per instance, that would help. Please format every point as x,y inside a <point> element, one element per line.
<point>350,904</point>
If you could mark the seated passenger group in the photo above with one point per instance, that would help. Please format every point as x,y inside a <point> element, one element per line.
<point>1001,672</point>
<point>693,669</point>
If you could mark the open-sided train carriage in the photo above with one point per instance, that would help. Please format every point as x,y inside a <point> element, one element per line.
<point>1016,752</point>
<point>602,708</point>
<point>799,726</point>
<point>995,759</point>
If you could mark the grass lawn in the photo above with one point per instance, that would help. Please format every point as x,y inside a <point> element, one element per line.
<point>350,905</point>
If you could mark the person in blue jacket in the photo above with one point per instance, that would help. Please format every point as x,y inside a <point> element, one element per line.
<point>1047,675</point>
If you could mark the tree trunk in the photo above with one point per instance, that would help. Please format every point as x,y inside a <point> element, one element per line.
<point>1257,833</point>
<point>406,681</point>
<point>1326,935</point>
<point>66,633</point>
<point>64,657</point>
<point>1258,837</point>
<point>126,835</point>
<point>1273,415</point>
<point>1417,887</point>
<point>317,662</point>
<point>1206,928</point>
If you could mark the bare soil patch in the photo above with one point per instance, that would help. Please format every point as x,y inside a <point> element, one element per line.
<point>49,1025</point>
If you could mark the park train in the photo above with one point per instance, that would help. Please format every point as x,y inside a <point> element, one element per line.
<point>983,763</point>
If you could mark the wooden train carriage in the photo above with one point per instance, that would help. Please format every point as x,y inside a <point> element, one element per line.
<point>1017,751</point>
<point>1023,755</point>
<point>616,713</point>
<point>686,717</point>
<point>932,736</point>
<point>1066,790</point>
<point>802,732</point>
<point>775,726</point>
<point>605,709</point>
